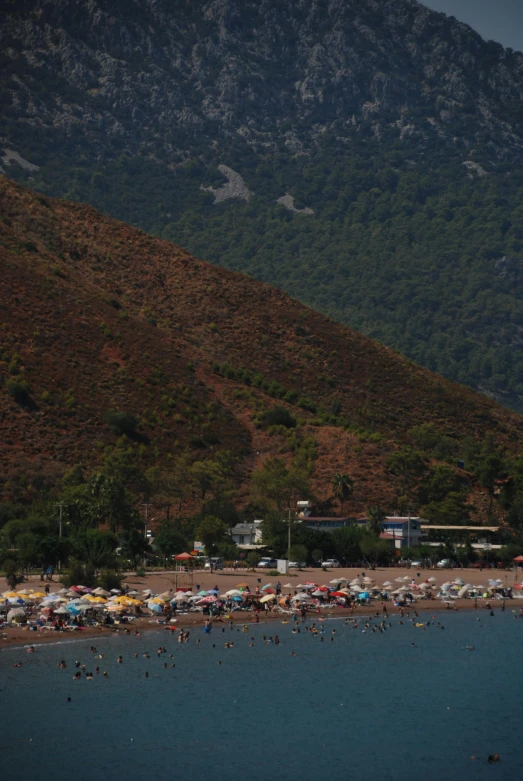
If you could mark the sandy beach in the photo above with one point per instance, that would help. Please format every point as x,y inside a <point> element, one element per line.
<point>228,579</point>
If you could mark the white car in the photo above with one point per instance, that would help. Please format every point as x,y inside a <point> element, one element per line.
<point>330,563</point>
<point>297,564</point>
<point>444,564</point>
<point>268,564</point>
<point>416,563</point>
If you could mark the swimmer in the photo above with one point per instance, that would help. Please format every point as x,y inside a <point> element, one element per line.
<point>17,664</point>
<point>31,649</point>
<point>106,674</point>
<point>119,660</point>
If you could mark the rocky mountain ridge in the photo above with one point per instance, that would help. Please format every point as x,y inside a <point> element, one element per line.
<point>148,74</point>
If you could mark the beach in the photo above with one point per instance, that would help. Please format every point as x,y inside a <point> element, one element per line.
<point>228,579</point>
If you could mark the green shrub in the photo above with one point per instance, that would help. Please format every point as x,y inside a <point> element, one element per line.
<point>279,416</point>
<point>18,391</point>
<point>122,422</point>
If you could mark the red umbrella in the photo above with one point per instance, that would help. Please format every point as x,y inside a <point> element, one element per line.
<point>339,594</point>
<point>183,557</point>
<point>323,588</point>
<point>518,558</point>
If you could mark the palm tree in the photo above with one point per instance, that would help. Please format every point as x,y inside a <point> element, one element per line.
<point>375,517</point>
<point>343,487</point>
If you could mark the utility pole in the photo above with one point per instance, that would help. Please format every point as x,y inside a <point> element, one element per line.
<point>61,505</point>
<point>146,505</point>
<point>289,538</point>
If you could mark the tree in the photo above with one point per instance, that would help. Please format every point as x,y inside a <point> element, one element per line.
<point>452,511</point>
<point>170,541</point>
<point>346,541</point>
<point>343,487</point>
<point>96,548</point>
<point>375,517</point>
<point>211,532</point>
<point>299,553</point>
<point>408,465</point>
<point>279,484</point>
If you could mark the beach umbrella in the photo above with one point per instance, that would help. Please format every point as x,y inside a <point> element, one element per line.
<point>387,583</point>
<point>62,611</point>
<point>288,585</point>
<point>209,601</point>
<point>132,593</point>
<point>242,585</point>
<point>300,597</point>
<point>237,599</point>
<point>267,585</point>
<point>363,595</point>
<point>101,592</point>
<point>204,593</point>
<point>16,612</point>
<point>459,581</point>
<point>356,588</point>
<point>37,594</point>
<point>234,592</point>
<point>317,593</point>
<point>155,607</point>
<point>183,557</point>
<point>367,580</point>
<point>179,597</point>
<point>324,588</point>
<point>432,580</point>
<point>336,581</point>
<point>166,596</point>
<point>9,594</point>
<point>212,591</point>
<point>398,580</point>
<point>15,601</point>
<point>339,594</point>
<point>268,598</point>
<point>116,591</point>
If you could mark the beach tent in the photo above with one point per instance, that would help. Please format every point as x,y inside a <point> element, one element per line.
<point>518,559</point>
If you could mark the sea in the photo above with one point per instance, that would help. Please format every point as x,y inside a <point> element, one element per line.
<point>410,703</point>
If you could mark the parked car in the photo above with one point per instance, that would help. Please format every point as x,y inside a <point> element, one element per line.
<point>217,563</point>
<point>416,563</point>
<point>297,564</point>
<point>330,563</point>
<point>266,563</point>
<point>445,563</point>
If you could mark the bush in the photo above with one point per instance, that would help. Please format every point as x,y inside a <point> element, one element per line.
<point>122,422</point>
<point>280,416</point>
<point>79,574</point>
<point>110,579</point>
<point>140,572</point>
<point>18,391</point>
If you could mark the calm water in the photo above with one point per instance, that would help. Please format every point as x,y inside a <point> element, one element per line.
<point>366,706</point>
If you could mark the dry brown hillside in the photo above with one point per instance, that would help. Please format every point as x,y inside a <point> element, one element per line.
<point>96,315</point>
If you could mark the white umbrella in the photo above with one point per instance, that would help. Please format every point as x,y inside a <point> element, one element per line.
<point>398,580</point>
<point>355,588</point>
<point>16,612</point>
<point>301,597</point>
<point>100,592</point>
<point>335,581</point>
<point>356,582</point>
<point>288,585</point>
<point>318,593</point>
<point>181,596</point>
<point>387,583</point>
<point>367,580</point>
<point>234,592</point>
<point>62,611</point>
<point>432,580</point>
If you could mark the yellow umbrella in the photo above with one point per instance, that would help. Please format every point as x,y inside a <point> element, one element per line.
<point>134,602</point>
<point>11,594</point>
<point>268,598</point>
<point>37,594</point>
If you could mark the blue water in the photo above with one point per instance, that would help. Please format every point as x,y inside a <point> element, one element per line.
<point>366,706</point>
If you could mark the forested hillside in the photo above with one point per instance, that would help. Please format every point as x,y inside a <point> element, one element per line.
<point>363,156</point>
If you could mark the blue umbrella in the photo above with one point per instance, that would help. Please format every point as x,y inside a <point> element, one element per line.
<point>237,599</point>
<point>213,591</point>
<point>267,585</point>
<point>363,595</point>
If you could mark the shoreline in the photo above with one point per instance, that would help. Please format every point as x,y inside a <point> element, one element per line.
<point>23,638</point>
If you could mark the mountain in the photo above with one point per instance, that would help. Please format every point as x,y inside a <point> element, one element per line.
<point>363,155</point>
<point>120,348</point>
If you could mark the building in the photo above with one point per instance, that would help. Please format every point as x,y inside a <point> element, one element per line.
<point>247,534</point>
